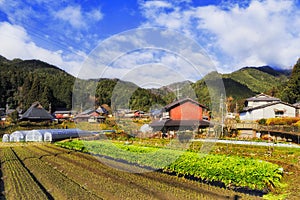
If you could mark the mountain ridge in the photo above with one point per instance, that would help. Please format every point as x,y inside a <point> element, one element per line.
<point>19,76</point>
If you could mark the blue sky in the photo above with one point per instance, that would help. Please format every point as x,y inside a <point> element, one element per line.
<point>233,34</point>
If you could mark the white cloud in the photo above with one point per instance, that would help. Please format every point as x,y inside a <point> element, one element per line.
<point>78,18</point>
<point>95,15</point>
<point>122,53</point>
<point>256,35</point>
<point>153,75</point>
<point>156,4</point>
<point>16,43</point>
<point>73,15</point>
<point>262,32</point>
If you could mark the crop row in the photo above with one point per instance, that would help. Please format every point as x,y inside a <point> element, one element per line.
<point>232,171</point>
<point>18,182</point>
<point>153,157</point>
<point>109,182</point>
<point>58,184</point>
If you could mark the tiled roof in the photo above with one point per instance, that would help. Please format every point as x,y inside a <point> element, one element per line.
<point>181,101</point>
<point>297,104</point>
<point>263,97</point>
<point>266,105</point>
<point>178,123</point>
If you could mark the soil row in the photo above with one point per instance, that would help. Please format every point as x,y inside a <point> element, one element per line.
<point>57,173</point>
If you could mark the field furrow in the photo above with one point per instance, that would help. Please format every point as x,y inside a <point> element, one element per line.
<point>18,182</point>
<point>51,172</point>
<point>56,183</point>
<point>151,184</point>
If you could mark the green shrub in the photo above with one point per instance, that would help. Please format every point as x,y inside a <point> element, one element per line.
<point>282,121</point>
<point>262,121</point>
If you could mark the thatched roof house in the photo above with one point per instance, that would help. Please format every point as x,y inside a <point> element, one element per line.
<point>36,113</point>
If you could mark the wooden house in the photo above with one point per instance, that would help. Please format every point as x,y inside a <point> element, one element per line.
<point>92,115</point>
<point>183,114</point>
<point>36,113</point>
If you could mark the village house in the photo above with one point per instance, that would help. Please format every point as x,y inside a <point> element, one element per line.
<point>183,114</point>
<point>36,113</point>
<point>298,108</point>
<point>92,115</point>
<point>64,114</point>
<point>263,106</point>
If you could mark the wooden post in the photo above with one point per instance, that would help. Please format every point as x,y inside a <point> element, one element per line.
<point>253,133</point>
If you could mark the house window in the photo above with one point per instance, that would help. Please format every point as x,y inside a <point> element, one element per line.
<point>166,115</point>
<point>279,113</point>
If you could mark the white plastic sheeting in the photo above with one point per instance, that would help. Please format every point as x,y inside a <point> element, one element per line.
<point>59,134</point>
<point>5,138</point>
<point>34,136</point>
<point>17,136</point>
<point>47,135</point>
<point>146,128</point>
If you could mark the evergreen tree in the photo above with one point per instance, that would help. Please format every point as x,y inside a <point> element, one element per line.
<point>23,99</point>
<point>46,97</point>
<point>291,93</point>
<point>34,93</point>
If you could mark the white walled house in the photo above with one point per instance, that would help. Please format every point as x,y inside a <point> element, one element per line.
<point>263,107</point>
<point>259,100</point>
<point>298,108</point>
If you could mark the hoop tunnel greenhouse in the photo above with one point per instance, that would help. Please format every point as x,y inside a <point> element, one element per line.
<point>46,135</point>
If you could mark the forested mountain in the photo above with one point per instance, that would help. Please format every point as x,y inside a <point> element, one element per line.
<point>291,91</point>
<point>26,81</point>
<point>261,79</point>
<point>242,84</point>
<point>121,94</point>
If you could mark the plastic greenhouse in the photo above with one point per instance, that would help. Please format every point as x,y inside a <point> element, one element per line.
<point>17,136</point>
<point>5,138</point>
<point>60,134</point>
<point>47,135</point>
<point>34,136</point>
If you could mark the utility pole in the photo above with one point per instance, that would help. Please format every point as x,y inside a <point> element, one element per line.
<point>177,92</point>
<point>222,114</point>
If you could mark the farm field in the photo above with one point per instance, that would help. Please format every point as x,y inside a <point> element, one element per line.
<point>46,171</point>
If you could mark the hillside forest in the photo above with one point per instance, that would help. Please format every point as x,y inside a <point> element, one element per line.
<point>26,81</point>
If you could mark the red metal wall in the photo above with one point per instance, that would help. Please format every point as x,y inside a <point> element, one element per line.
<point>186,111</point>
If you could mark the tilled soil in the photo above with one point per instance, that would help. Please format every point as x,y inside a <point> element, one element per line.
<point>111,179</point>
